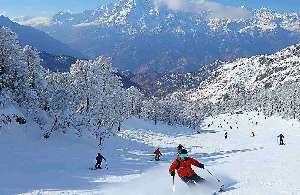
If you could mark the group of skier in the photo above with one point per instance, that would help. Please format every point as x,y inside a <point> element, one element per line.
<point>281,137</point>
<point>183,164</point>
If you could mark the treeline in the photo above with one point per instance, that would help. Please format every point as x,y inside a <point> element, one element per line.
<point>282,101</point>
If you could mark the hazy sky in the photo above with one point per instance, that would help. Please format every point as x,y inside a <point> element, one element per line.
<point>50,7</point>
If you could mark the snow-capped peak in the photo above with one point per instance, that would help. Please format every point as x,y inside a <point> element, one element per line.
<point>130,13</point>
<point>258,72</point>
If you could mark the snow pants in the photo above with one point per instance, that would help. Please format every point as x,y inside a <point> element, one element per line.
<point>98,165</point>
<point>157,157</point>
<point>193,180</point>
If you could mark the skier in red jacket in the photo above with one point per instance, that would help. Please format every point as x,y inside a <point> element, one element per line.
<point>184,170</point>
<point>157,154</point>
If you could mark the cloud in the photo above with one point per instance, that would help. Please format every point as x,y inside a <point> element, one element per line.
<point>214,9</point>
<point>33,21</point>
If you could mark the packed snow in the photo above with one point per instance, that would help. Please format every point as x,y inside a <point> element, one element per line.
<point>245,164</point>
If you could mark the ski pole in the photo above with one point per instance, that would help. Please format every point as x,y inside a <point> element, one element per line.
<point>106,165</point>
<point>212,175</point>
<point>222,185</point>
<point>173,180</point>
<point>173,185</point>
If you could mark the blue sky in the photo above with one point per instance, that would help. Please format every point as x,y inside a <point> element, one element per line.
<point>44,7</point>
<point>277,5</point>
<point>50,7</point>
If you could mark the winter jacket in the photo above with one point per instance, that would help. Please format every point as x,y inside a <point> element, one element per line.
<point>157,152</point>
<point>280,136</point>
<point>184,168</point>
<point>99,158</point>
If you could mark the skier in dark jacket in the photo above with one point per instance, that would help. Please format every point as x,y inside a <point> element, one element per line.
<point>157,154</point>
<point>226,135</point>
<point>281,139</point>
<point>183,165</point>
<point>99,159</point>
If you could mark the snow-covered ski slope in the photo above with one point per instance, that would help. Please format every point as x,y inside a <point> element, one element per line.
<point>246,165</point>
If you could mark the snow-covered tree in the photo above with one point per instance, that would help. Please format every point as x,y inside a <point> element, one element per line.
<point>58,102</point>
<point>11,67</point>
<point>36,72</point>
<point>98,97</point>
<point>134,97</point>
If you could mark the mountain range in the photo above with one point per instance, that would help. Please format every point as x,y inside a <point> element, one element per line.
<point>38,39</point>
<point>139,34</point>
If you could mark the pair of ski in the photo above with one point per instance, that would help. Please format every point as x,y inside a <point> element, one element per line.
<point>160,160</point>
<point>94,169</point>
<point>99,168</point>
<point>221,190</point>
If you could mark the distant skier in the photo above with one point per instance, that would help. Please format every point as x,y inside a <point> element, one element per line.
<point>157,154</point>
<point>100,141</point>
<point>99,159</point>
<point>183,165</point>
<point>226,135</point>
<point>281,139</point>
<point>252,134</point>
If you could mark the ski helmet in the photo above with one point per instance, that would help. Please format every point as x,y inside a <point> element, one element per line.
<point>180,148</point>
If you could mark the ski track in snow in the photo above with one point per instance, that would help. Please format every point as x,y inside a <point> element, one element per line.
<point>246,165</point>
